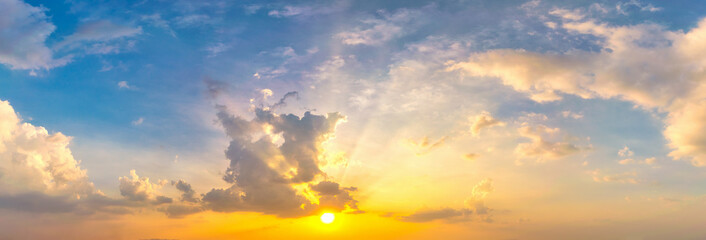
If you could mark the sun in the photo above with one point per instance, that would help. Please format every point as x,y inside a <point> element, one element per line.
<point>327,218</point>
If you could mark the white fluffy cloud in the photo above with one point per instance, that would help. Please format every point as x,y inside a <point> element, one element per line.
<point>23,32</point>
<point>140,189</point>
<point>38,173</point>
<point>645,64</point>
<point>32,159</point>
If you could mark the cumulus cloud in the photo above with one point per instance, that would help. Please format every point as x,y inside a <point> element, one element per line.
<point>267,176</point>
<point>478,195</point>
<point>38,172</point>
<point>645,64</point>
<point>546,143</point>
<point>23,32</point>
<point>140,189</point>
<point>31,159</point>
<point>484,120</point>
<point>684,128</point>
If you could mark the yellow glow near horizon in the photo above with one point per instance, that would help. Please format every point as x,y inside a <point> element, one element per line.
<point>327,218</point>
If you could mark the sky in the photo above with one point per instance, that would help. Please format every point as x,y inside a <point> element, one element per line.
<point>456,119</point>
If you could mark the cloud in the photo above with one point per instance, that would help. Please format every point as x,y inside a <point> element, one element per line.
<point>31,159</point>
<point>622,7</point>
<point>125,85</point>
<point>266,176</point>
<point>448,214</point>
<point>484,120</point>
<point>138,122</point>
<point>626,177</point>
<point>478,195</point>
<point>546,143</point>
<point>570,114</point>
<point>157,21</point>
<point>217,48</point>
<point>180,210</point>
<point>470,156</point>
<point>645,64</point>
<point>37,202</point>
<point>140,189</point>
<point>626,161</point>
<point>215,88</point>
<point>283,101</point>
<point>23,32</point>
<point>188,194</point>
<point>98,31</point>
<point>424,145</point>
<point>306,11</point>
<point>333,196</point>
<point>684,128</point>
<point>475,208</point>
<point>378,30</point>
<point>625,152</point>
<point>482,189</point>
<point>195,20</point>
<point>38,172</point>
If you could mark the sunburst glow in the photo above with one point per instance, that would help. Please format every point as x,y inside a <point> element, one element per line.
<point>327,218</point>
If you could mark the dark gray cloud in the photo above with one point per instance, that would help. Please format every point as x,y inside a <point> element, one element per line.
<point>283,101</point>
<point>263,173</point>
<point>187,193</point>
<point>332,196</point>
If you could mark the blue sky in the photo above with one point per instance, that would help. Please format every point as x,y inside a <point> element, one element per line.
<point>166,62</point>
<point>602,96</point>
